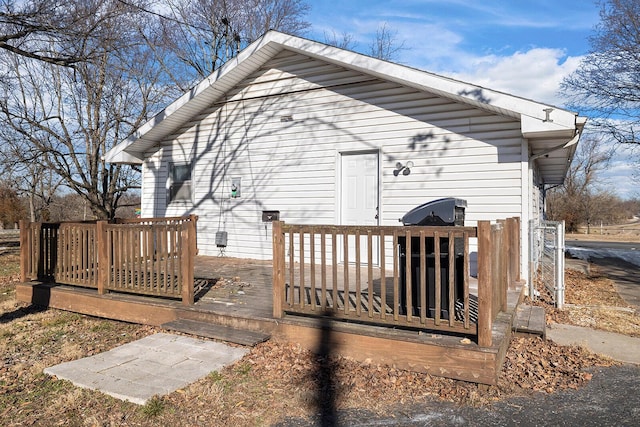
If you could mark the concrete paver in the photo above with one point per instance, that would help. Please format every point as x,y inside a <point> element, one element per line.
<point>155,365</point>
<point>617,346</point>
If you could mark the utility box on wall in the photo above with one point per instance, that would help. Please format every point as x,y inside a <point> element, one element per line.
<point>270,216</point>
<point>221,239</point>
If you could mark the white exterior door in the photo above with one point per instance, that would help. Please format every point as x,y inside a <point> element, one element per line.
<point>359,198</point>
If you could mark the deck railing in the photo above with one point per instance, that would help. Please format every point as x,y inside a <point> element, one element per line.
<point>411,277</point>
<point>141,256</point>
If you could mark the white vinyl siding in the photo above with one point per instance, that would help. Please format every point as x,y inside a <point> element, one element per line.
<point>537,197</point>
<point>282,131</point>
<point>154,176</point>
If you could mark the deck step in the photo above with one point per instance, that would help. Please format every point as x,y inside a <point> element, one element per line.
<point>530,320</point>
<point>218,332</point>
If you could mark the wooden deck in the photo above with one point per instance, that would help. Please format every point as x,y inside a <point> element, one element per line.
<point>442,321</point>
<point>238,294</point>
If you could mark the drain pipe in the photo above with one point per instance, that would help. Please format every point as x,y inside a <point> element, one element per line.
<point>559,244</point>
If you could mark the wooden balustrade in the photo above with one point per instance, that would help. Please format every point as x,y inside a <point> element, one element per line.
<point>76,255</point>
<point>145,256</point>
<point>412,277</point>
<point>38,250</point>
<point>409,277</point>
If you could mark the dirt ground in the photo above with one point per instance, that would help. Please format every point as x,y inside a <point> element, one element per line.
<point>273,381</point>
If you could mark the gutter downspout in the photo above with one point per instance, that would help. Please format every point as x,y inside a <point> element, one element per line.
<point>559,247</point>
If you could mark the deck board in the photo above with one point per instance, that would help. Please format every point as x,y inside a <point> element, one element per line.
<point>352,298</point>
<point>252,310</point>
<point>219,332</point>
<point>530,320</point>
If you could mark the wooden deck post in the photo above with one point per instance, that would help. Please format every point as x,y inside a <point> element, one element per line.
<point>499,244</point>
<point>25,250</point>
<point>103,259</point>
<point>485,285</point>
<point>41,262</point>
<point>278,269</point>
<point>507,263</point>
<point>193,219</point>
<point>513,227</point>
<point>188,236</point>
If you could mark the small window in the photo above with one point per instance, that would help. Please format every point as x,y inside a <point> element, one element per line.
<point>180,182</point>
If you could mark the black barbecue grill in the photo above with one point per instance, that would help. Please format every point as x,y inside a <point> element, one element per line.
<point>441,212</point>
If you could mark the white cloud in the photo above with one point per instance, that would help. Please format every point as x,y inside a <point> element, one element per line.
<point>425,45</point>
<point>535,74</point>
<point>620,176</point>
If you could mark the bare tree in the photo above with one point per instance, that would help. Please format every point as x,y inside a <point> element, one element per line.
<point>608,79</point>
<point>581,200</point>
<point>263,15</point>
<point>11,207</point>
<point>385,45</point>
<point>70,116</point>
<point>343,40</point>
<point>37,183</point>
<point>204,34</point>
<point>58,32</point>
<point>79,76</point>
<point>632,208</point>
<point>23,168</point>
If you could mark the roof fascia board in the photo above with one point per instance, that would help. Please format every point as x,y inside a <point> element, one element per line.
<point>119,154</point>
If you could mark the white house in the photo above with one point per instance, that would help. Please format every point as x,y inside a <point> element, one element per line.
<point>322,135</point>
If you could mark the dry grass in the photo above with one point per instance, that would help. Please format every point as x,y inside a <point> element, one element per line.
<point>627,232</point>
<point>275,380</point>
<point>591,301</point>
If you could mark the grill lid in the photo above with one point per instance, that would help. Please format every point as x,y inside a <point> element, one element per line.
<point>441,212</point>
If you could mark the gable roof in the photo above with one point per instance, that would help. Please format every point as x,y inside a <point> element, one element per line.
<point>552,132</point>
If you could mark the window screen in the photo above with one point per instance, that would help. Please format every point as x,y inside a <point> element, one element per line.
<point>180,185</point>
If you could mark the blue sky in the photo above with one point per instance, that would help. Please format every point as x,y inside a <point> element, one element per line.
<point>523,47</point>
<point>510,44</point>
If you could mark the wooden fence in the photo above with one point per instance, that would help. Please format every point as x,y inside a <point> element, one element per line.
<point>142,256</point>
<point>411,277</point>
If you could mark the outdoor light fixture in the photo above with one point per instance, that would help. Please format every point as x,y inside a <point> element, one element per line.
<point>406,169</point>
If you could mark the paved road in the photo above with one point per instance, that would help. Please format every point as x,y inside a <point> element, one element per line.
<point>624,246</point>
<point>609,399</point>
<point>620,261</point>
